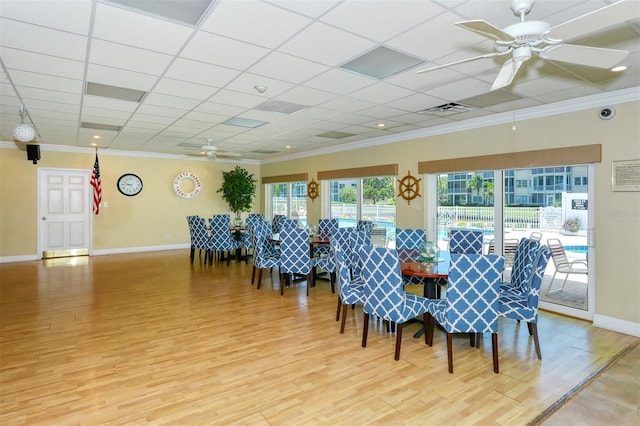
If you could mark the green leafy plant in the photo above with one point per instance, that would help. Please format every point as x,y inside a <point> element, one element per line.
<point>238,188</point>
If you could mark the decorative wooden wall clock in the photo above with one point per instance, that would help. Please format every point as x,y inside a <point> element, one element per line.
<point>409,187</point>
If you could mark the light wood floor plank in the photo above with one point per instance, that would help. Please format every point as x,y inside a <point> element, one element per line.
<point>150,338</point>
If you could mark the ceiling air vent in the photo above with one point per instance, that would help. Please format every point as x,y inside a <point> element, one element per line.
<point>447,109</point>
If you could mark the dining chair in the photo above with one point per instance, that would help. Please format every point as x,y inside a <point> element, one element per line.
<point>522,267</point>
<point>338,240</point>
<point>202,238</point>
<point>263,255</point>
<point>286,222</point>
<point>357,240</point>
<point>365,225</point>
<point>295,256</point>
<point>524,307</point>
<point>471,303</point>
<point>349,292</point>
<point>468,241</point>
<point>247,243</point>
<point>192,251</point>
<point>408,242</point>
<point>275,222</point>
<point>563,264</point>
<point>222,240</point>
<point>384,292</point>
<point>326,228</point>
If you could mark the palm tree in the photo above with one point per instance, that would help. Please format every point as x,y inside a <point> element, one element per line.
<point>487,188</point>
<point>475,184</point>
<point>442,187</point>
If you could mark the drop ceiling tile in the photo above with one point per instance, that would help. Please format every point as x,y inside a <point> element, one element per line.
<point>307,96</point>
<point>221,51</point>
<point>169,86</point>
<point>42,81</point>
<point>37,39</point>
<point>72,16</point>
<point>252,22</point>
<point>347,104</point>
<point>157,110</point>
<point>381,93</point>
<point>237,99</point>
<point>311,8</point>
<point>120,78</point>
<point>169,101</point>
<point>246,83</point>
<point>128,58</point>
<point>102,102</point>
<point>120,25</point>
<point>288,68</point>
<point>46,64</point>
<point>203,117</point>
<point>337,46</point>
<point>70,100</point>
<point>197,72</point>
<point>382,19</point>
<point>339,82</point>
<point>219,109</point>
<point>460,89</point>
<point>415,102</point>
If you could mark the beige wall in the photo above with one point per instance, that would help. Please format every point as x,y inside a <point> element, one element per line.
<point>144,220</point>
<point>154,218</point>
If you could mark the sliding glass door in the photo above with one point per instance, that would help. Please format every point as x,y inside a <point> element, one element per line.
<point>549,203</point>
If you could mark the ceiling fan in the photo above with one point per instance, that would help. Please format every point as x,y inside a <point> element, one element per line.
<point>213,152</point>
<point>527,38</point>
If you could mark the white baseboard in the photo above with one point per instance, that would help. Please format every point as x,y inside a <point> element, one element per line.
<point>616,324</point>
<point>121,250</point>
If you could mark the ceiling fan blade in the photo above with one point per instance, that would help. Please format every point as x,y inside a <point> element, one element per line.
<point>228,154</point>
<point>594,21</point>
<point>462,61</point>
<point>507,72</point>
<point>485,29</point>
<point>584,55</point>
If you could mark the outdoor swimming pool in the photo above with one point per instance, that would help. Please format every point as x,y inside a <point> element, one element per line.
<point>577,249</point>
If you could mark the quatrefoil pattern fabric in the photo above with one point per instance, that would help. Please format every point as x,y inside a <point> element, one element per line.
<point>350,291</point>
<point>471,304</point>
<point>465,241</point>
<point>384,289</point>
<point>294,251</point>
<point>221,238</point>
<point>522,267</point>
<point>408,242</point>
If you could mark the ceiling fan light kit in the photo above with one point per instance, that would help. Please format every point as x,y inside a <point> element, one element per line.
<point>24,132</point>
<point>528,38</point>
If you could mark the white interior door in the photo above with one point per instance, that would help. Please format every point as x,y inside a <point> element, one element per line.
<point>64,212</point>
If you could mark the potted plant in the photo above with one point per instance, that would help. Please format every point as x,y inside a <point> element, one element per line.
<point>238,188</point>
<point>572,224</point>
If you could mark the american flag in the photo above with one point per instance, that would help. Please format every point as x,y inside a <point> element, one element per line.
<point>97,186</point>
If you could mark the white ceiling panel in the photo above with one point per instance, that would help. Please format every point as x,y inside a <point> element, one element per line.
<point>135,29</point>
<point>253,22</point>
<point>198,76</point>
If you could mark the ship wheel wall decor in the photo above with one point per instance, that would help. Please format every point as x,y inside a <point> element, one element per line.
<point>312,189</point>
<point>409,187</point>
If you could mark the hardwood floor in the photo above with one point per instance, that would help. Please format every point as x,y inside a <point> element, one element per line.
<point>150,338</point>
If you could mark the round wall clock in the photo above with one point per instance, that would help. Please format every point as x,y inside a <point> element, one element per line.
<point>129,184</point>
<point>182,188</point>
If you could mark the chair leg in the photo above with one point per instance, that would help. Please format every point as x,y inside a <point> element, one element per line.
<point>424,325</point>
<point>344,317</point>
<point>553,277</point>
<point>472,339</point>
<point>564,283</point>
<point>338,310</point>
<point>259,279</point>
<point>428,329</point>
<point>398,340</point>
<point>192,253</point>
<point>283,282</point>
<point>308,283</point>
<point>332,278</point>
<point>365,330</point>
<point>253,274</point>
<point>533,330</point>
<point>494,347</point>
<point>450,351</point>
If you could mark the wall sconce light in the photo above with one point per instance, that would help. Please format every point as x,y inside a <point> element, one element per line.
<point>24,132</point>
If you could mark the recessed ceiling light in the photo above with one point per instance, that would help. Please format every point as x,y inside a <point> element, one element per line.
<point>288,146</point>
<point>96,136</point>
<point>619,68</point>
<point>380,125</point>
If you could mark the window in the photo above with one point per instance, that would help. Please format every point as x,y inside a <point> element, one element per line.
<point>289,199</point>
<point>370,198</point>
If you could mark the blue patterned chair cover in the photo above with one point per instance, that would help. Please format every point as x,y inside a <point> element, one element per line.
<point>202,238</point>
<point>295,257</point>
<point>326,228</point>
<point>287,223</point>
<point>222,240</point>
<point>408,242</point>
<point>275,223</point>
<point>471,302</point>
<point>190,220</point>
<point>365,225</point>
<point>522,267</point>
<point>384,292</point>
<point>357,240</point>
<point>263,256</point>
<point>338,240</point>
<point>525,307</point>
<point>349,292</point>
<point>468,241</point>
<point>246,238</point>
